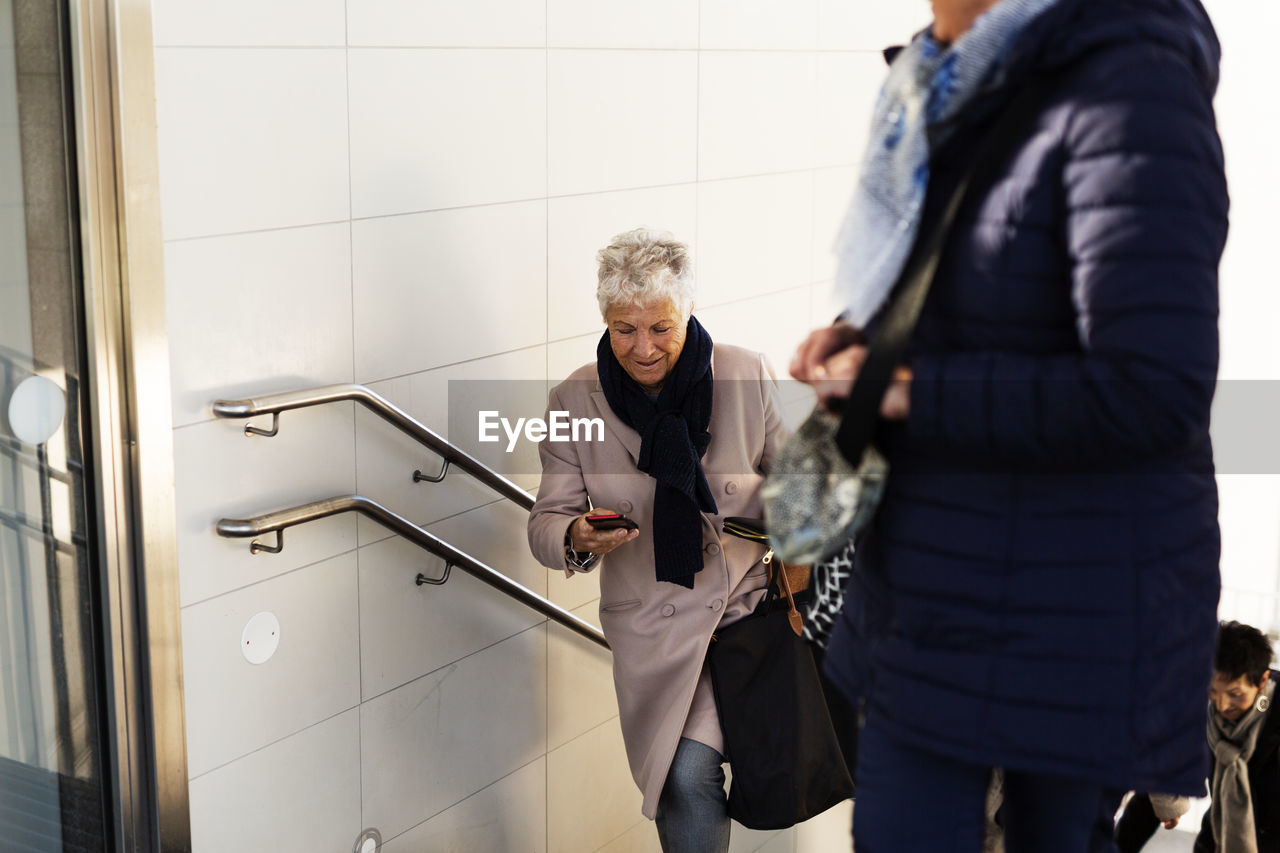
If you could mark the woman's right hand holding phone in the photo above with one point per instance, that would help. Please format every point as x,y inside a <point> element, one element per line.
<point>598,541</point>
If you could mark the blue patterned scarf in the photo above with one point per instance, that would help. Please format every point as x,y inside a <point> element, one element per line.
<point>929,85</point>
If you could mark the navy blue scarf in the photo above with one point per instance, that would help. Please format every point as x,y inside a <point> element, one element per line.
<point>673,440</point>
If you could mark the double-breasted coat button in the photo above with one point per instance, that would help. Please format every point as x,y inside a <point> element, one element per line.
<point>717,605</point>
<point>731,488</point>
<point>625,507</point>
<point>668,609</point>
<point>712,548</point>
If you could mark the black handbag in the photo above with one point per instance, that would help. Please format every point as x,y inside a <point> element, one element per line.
<point>779,739</point>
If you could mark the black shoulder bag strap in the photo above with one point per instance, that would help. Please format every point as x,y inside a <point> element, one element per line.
<point>862,407</point>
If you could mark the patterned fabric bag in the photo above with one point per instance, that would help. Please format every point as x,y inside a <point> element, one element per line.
<point>828,580</point>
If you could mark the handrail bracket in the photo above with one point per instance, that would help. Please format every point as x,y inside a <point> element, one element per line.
<point>419,477</point>
<point>255,546</point>
<point>250,429</point>
<point>440,581</point>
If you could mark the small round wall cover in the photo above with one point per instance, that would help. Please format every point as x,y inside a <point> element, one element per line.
<point>36,409</point>
<point>370,841</point>
<point>260,638</point>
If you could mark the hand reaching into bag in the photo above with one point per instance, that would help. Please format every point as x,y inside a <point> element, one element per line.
<point>829,360</point>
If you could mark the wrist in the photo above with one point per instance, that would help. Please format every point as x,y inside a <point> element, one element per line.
<point>574,557</point>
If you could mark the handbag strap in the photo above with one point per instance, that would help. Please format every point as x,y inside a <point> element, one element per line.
<point>778,578</point>
<point>862,407</point>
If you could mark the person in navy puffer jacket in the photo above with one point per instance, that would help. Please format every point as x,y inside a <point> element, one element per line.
<point>1038,590</point>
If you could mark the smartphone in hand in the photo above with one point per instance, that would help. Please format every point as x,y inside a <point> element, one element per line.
<point>611,521</point>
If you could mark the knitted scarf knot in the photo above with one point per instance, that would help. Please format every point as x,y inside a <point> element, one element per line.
<point>673,440</point>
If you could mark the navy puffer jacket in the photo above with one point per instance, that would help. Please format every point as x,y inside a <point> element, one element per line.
<point>1039,588</point>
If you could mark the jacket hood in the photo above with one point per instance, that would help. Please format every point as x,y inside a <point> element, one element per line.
<point>1072,28</point>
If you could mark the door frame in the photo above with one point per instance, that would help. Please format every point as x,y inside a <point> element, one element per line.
<point>122,255</point>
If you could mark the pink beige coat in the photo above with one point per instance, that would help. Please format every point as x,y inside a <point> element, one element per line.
<point>660,631</point>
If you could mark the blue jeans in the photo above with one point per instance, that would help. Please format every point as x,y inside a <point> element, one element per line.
<point>693,814</point>
<point>912,801</point>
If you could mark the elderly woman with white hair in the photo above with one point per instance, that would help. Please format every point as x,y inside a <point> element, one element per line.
<point>691,429</point>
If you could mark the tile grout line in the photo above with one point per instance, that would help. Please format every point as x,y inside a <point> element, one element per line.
<point>697,137</point>
<point>853,164</point>
<point>546,374</point>
<point>355,440</point>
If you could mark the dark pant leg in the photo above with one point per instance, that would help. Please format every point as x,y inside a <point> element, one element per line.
<point>1136,825</point>
<point>1050,814</point>
<point>912,801</point>
<point>693,814</point>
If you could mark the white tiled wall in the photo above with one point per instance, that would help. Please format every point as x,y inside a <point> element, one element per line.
<point>1247,407</point>
<point>405,193</point>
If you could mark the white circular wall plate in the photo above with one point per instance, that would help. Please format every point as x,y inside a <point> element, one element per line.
<point>260,638</point>
<point>370,841</point>
<point>36,409</point>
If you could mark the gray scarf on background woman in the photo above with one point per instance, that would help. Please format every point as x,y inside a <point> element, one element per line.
<point>1232,746</point>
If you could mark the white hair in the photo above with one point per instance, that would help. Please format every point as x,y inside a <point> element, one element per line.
<point>641,267</point>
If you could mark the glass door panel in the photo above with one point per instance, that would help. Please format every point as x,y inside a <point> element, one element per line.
<point>52,790</point>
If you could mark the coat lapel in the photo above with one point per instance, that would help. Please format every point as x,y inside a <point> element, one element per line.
<point>629,438</point>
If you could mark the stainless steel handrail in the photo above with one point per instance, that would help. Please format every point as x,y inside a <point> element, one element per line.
<point>274,404</point>
<point>277,522</point>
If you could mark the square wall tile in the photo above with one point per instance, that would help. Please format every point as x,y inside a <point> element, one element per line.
<point>267,23</point>
<point>251,139</point>
<point>756,113</point>
<point>827,831</point>
<point>387,457</point>
<point>596,138</point>
<point>580,694</point>
<point>409,630</point>
<point>580,226</point>
<point>641,838</point>
<point>301,795</point>
<point>444,287</point>
<point>759,24</point>
<point>573,592</point>
<point>436,741</point>
<point>256,314</point>
<point>594,762</point>
<point>743,840</point>
<point>441,23</point>
<point>848,85</point>
<point>432,129</point>
<point>621,23</point>
<point>832,193</point>
<point>222,473</point>
<point>868,24</point>
<point>235,707</point>
<point>773,324</point>
<point>564,357</point>
<point>754,237</point>
<point>509,816</point>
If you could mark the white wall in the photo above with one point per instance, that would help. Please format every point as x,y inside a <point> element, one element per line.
<point>1248,406</point>
<point>404,193</point>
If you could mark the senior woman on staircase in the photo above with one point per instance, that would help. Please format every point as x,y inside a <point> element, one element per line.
<point>691,429</point>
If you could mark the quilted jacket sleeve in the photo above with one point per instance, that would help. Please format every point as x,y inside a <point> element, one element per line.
<point>1144,218</point>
